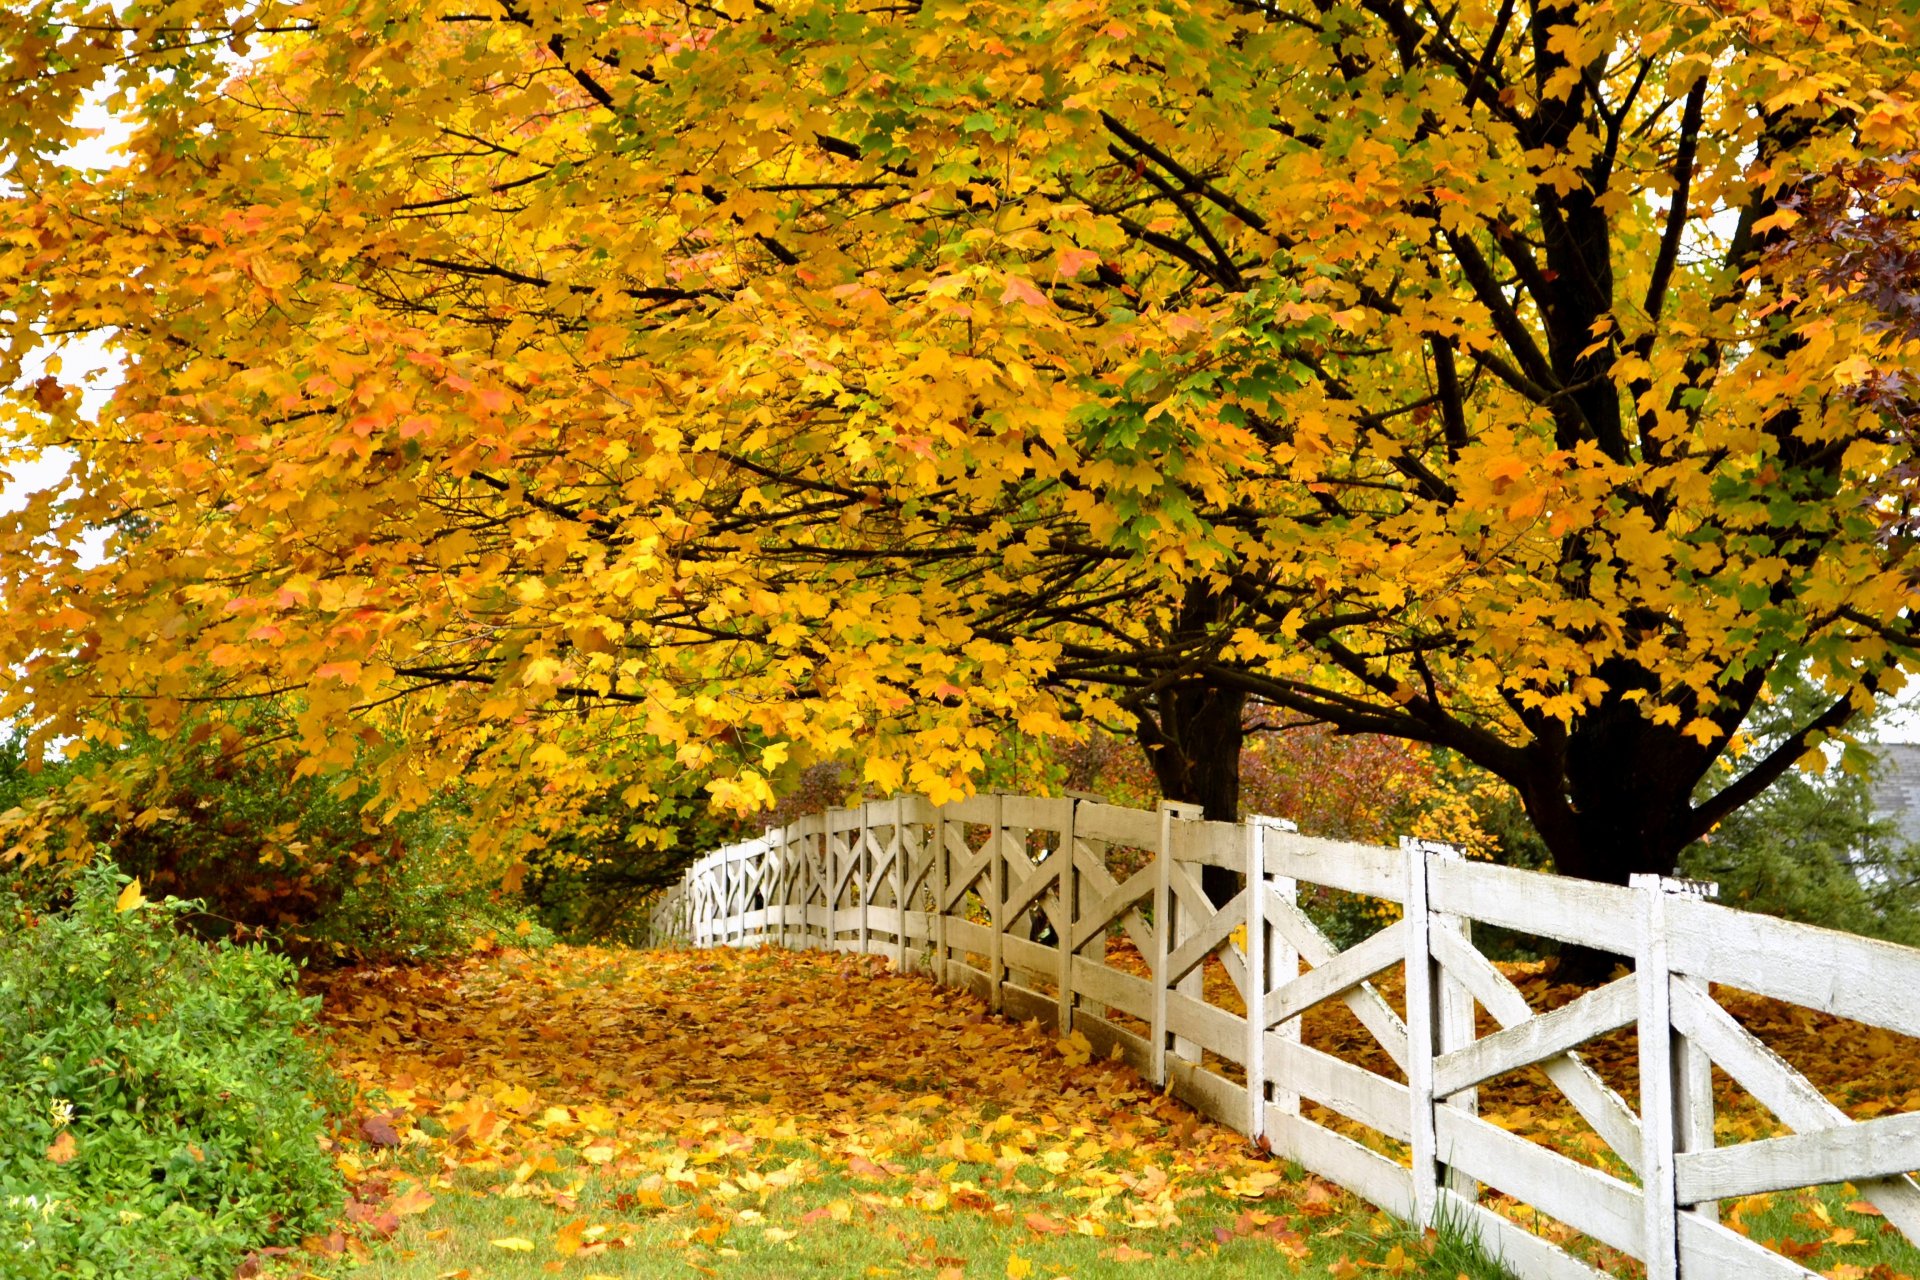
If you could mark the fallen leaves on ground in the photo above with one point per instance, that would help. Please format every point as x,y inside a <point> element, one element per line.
<point>709,1090</point>
<point>702,1087</point>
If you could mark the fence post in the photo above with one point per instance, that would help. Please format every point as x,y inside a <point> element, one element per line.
<point>1163,939</point>
<point>1676,1080</point>
<point>1422,1031</point>
<point>783,877</point>
<point>862,878</point>
<point>1659,1137</point>
<point>832,942</point>
<point>1068,889</point>
<point>1283,961</point>
<point>997,908</point>
<point>938,833</point>
<point>1256,992</point>
<point>1693,1098</point>
<point>700,906</point>
<point>900,884</point>
<point>817,844</point>
<point>1453,1007</point>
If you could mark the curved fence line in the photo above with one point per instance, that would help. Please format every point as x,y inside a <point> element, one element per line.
<point>1017,898</point>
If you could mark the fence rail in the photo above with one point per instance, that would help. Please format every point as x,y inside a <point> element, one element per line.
<point>1016,897</point>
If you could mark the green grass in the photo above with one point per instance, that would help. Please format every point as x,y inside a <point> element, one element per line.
<point>1816,1228</point>
<point>832,1226</point>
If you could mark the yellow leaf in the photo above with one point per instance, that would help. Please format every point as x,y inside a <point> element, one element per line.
<point>1018,1268</point>
<point>129,898</point>
<point>513,1243</point>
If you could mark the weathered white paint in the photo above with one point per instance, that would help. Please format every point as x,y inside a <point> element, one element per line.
<point>897,876</point>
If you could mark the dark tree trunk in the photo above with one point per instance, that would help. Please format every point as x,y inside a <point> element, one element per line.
<point>1192,736</point>
<point>1615,803</point>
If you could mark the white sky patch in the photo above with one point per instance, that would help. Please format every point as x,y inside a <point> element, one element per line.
<point>89,361</point>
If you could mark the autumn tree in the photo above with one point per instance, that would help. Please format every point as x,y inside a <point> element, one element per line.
<point>799,378</point>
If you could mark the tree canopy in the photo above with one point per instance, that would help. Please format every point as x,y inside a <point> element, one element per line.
<point>595,391</point>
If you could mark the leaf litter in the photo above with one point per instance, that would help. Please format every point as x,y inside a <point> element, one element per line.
<point>716,1101</point>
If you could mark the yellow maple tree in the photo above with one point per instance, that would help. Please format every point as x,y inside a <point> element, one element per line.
<point>613,389</point>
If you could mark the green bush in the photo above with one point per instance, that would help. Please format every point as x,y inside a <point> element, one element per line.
<point>1809,849</point>
<point>158,1106</point>
<point>266,851</point>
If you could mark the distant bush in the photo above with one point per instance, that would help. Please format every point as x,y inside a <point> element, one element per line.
<point>1810,850</point>
<point>160,1115</point>
<point>267,852</point>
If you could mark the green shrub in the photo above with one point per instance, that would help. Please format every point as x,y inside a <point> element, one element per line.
<point>1809,849</point>
<point>266,851</point>
<point>158,1113</point>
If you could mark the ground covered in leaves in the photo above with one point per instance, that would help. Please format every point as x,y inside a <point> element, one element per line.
<point>614,1113</point>
<point>610,1113</point>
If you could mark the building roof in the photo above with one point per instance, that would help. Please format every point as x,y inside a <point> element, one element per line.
<point>1896,788</point>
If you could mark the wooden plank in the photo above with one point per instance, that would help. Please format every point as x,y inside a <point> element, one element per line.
<point>919,927</point>
<point>1693,1099</point>
<point>1188,911</point>
<point>1157,958</point>
<point>977,810</point>
<point>1036,883</point>
<point>1585,1199</point>
<point>1123,991</point>
<point>1520,1251</point>
<point>1024,1005</point>
<point>1208,1026</point>
<point>1137,828</point>
<point>1884,1147</point>
<point>1211,844</point>
<point>937,847</point>
<point>1709,1251</point>
<point>964,976</point>
<point>1052,814</point>
<point>1365,869</point>
<point>1544,1035</point>
<point>1596,1102</point>
<point>1356,1093</point>
<point>1344,970</point>
<point>1659,1139</point>
<point>1309,944</point>
<point>996,905</point>
<point>1457,1028</point>
<point>1341,1160</point>
<point>1783,1091</point>
<point>964,935</point>
<point>1838,973</point>
<point>1207,937</point>
<point>1106,907</point>
<point>1018,952</point>
<point>1212,1095</point>
<point>1063,924</point>
<point>1423,1031</point>
<point>1254,984</point>
<point>1105,1036</point>
<point>1578,911</point>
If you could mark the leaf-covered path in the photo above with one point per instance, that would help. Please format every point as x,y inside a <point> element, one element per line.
<point>613,1113</point>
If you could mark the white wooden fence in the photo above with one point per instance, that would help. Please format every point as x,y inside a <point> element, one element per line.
<point>1012,896</point>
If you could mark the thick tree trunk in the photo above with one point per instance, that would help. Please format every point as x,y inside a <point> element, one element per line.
<point>1192,736</point>
<point>1616,803</point>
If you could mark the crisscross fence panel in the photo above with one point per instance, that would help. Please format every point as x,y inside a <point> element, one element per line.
<point>1093,918</point>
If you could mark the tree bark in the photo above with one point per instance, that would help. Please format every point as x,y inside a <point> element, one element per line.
<point>1192,735</point>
